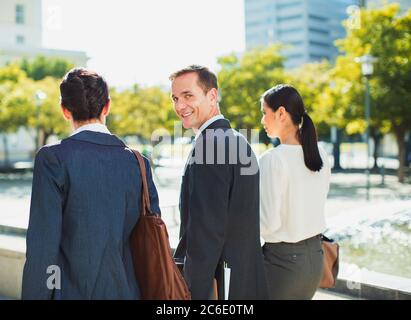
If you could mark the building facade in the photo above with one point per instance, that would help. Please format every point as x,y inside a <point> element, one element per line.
<point>21,29</point>
<point>306,28</point>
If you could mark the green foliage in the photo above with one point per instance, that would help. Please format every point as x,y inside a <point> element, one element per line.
<point>19,106</point>
<point>46,114</point>
<point>341,101</point>
<point>311,80</point>
<point>13,102</point>
<point>243,79</point>
<point>14,105</point>
<point>12,73</point>
<point>141,111</point>
<point>42,67</point>
<point>387,36</point>
<point>138,111</point>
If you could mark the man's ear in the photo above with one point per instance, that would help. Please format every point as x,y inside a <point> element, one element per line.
<point>106,109</point>
<point>66,113</point>
<point>213,95</point>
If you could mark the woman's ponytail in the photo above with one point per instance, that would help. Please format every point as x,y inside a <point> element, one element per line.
<point>288,97</point>
<point>309,142</point>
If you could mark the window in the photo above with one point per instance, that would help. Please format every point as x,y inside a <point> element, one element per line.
<point>291,30</point>
<point>319,44</point>
<point>20,39</point>
<point>318,57</point>
<point>319,31</point>
<point>19,14</point>
<point>317,18</point>
<point>288,18</point>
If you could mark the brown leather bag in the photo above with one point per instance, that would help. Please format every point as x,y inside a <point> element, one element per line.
<point>331,262</point>
<point>157,274</point>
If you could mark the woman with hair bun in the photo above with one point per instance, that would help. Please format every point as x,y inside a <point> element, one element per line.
<point>294,182</point>
<point>85,202</point>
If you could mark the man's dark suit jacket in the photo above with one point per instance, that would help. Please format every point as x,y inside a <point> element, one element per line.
<point>85,201</point>
<point>219,206</point>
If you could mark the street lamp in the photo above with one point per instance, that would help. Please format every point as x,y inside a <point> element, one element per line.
<point>367,69</point>
<point>40,96</point>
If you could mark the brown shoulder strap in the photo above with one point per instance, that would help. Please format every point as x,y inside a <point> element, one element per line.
<point>145,195</point>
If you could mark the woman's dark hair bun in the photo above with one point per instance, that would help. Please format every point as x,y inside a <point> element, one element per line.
<point>84,93</point>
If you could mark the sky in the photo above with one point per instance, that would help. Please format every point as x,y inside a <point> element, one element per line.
<point>136,41</point>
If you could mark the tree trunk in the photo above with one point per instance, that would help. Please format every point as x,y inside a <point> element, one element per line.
<point>41,138</point>
<point>400,135</point>
<point>376,136</point>
<point>44,138</point>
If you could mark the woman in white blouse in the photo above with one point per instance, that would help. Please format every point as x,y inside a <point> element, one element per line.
<point>294,182</point>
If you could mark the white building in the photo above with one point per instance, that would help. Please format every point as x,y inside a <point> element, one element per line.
<point>21,30</point>
<point>21,33</point>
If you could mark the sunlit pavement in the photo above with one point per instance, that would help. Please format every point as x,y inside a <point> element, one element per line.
<point>328,295</point>
<point>347,192</point>
<point>318,296</point>
<point>347,195</point>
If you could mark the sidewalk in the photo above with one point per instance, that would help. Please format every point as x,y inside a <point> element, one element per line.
<point>347,194</point>
<point>347,191</point>
<point>320,295</point>
<point>328,295</point>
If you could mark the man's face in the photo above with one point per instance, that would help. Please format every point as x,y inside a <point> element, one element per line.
<point>192,105</point>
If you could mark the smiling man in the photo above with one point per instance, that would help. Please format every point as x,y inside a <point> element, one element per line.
<point>219,204</point>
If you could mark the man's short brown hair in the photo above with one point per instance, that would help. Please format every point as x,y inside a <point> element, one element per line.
<point>206,79</point>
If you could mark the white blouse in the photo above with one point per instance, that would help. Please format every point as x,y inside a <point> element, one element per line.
<point>292,197</point>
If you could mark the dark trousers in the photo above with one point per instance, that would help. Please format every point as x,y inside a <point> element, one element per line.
<point>293,270</point>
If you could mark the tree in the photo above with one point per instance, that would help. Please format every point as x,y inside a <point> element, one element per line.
<point>19,107</point>
<point>387,36</point>
<point>45,115</point>
<point>41,67</point>
<point>13,109</point>
<point>19,83</point>
<point>243,79</point>
<point>12,84</point>
<point>12,73</point>
<point>312,80</point>
<point>140,112</point>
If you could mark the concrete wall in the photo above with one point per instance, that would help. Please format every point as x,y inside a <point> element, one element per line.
<point>12,259</point>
